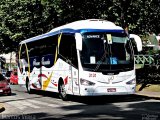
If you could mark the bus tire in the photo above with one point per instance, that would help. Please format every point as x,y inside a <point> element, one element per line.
<point>29,90</point>
<point>62,91</point>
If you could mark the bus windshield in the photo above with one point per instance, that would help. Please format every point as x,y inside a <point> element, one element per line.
<point>106,52</point>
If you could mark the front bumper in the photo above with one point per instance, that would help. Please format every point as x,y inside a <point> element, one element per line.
<point>101,90</point>
<point>14,81</point>
<point>5,91</point>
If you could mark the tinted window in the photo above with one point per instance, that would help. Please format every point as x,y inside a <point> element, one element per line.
<point>2,77</point>
<point>67,49</point>
<point>43,47</point>
<point>8,73</point>
<point>106,51</point>
<point>42,52</point>
<point>23,53</point>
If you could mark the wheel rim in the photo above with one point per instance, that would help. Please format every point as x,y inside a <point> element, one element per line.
<point>62,90</point>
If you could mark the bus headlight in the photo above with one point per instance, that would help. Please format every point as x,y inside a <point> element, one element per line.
<point>86,82</point>
<point>131,82</point>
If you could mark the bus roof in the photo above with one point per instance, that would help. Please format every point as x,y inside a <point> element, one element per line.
<point>81,26</point>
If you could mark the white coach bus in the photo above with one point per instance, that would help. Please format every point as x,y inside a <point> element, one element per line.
<point>86,58</point>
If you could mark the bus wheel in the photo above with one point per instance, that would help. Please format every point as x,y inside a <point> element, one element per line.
<point>62,91</point>
<point>29,90</point>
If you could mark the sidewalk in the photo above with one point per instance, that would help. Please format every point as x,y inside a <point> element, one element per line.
<point>1,107</point>
<point>148,90</point>
<point>154,95</point>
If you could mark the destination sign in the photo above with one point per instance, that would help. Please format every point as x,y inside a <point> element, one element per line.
<point>93,36</point>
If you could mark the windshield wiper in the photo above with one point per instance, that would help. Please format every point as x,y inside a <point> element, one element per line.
<point>100,62</point>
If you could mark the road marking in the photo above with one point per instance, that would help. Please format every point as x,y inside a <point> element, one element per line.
<point>43,103</point>
<point>22,104</point>
<point>17,105</point>
<point>28,104</point>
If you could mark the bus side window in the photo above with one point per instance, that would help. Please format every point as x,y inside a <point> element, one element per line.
<point>23,52</point>
<point>74,59</point>
<point>42,52</point>
<point>23,55</point>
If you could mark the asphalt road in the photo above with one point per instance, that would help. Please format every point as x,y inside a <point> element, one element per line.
<point>46,105</point>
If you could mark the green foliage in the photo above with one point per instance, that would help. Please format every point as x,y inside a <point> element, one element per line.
<point>22,19</point>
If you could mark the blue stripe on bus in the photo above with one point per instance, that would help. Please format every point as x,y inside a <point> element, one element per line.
<point>68,30</point>
<point>90,30</point>
<point>101,30</point>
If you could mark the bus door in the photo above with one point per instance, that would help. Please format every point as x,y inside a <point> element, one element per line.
<point>74,70</point>
<point>75,82</point>
<point>68,52</point>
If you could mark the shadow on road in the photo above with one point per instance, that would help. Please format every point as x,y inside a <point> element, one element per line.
<point>95,100</point>
<point>126,107</point>
<point>149,75</point>
<point>102,100</point>
<point>135,111</point>
<point>92,100</point>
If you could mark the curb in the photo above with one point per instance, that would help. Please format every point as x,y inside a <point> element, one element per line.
<point>148,87</point>
<point>148,96</point>
<point>2,108</point>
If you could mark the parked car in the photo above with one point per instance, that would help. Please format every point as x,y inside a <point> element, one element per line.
<point>14,77</point>
<point>4,85</point>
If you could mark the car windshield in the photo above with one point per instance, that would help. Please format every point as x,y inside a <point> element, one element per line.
<point>8,73</point>
<point>106,51</point>
<point>2,77</point>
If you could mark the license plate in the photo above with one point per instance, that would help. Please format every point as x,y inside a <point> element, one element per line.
<point>1,90</point>
<point>111,90</point>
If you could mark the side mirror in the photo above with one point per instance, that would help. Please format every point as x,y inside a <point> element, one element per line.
<point>137,40</point>
<point>78,38</point>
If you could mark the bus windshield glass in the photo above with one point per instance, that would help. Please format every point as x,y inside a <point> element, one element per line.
<point>106,52</point>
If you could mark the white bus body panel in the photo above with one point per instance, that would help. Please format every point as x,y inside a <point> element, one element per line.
<point>105,82</point>
<point>48,79</point>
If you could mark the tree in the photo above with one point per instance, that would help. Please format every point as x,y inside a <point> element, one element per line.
<point>22,19</point>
